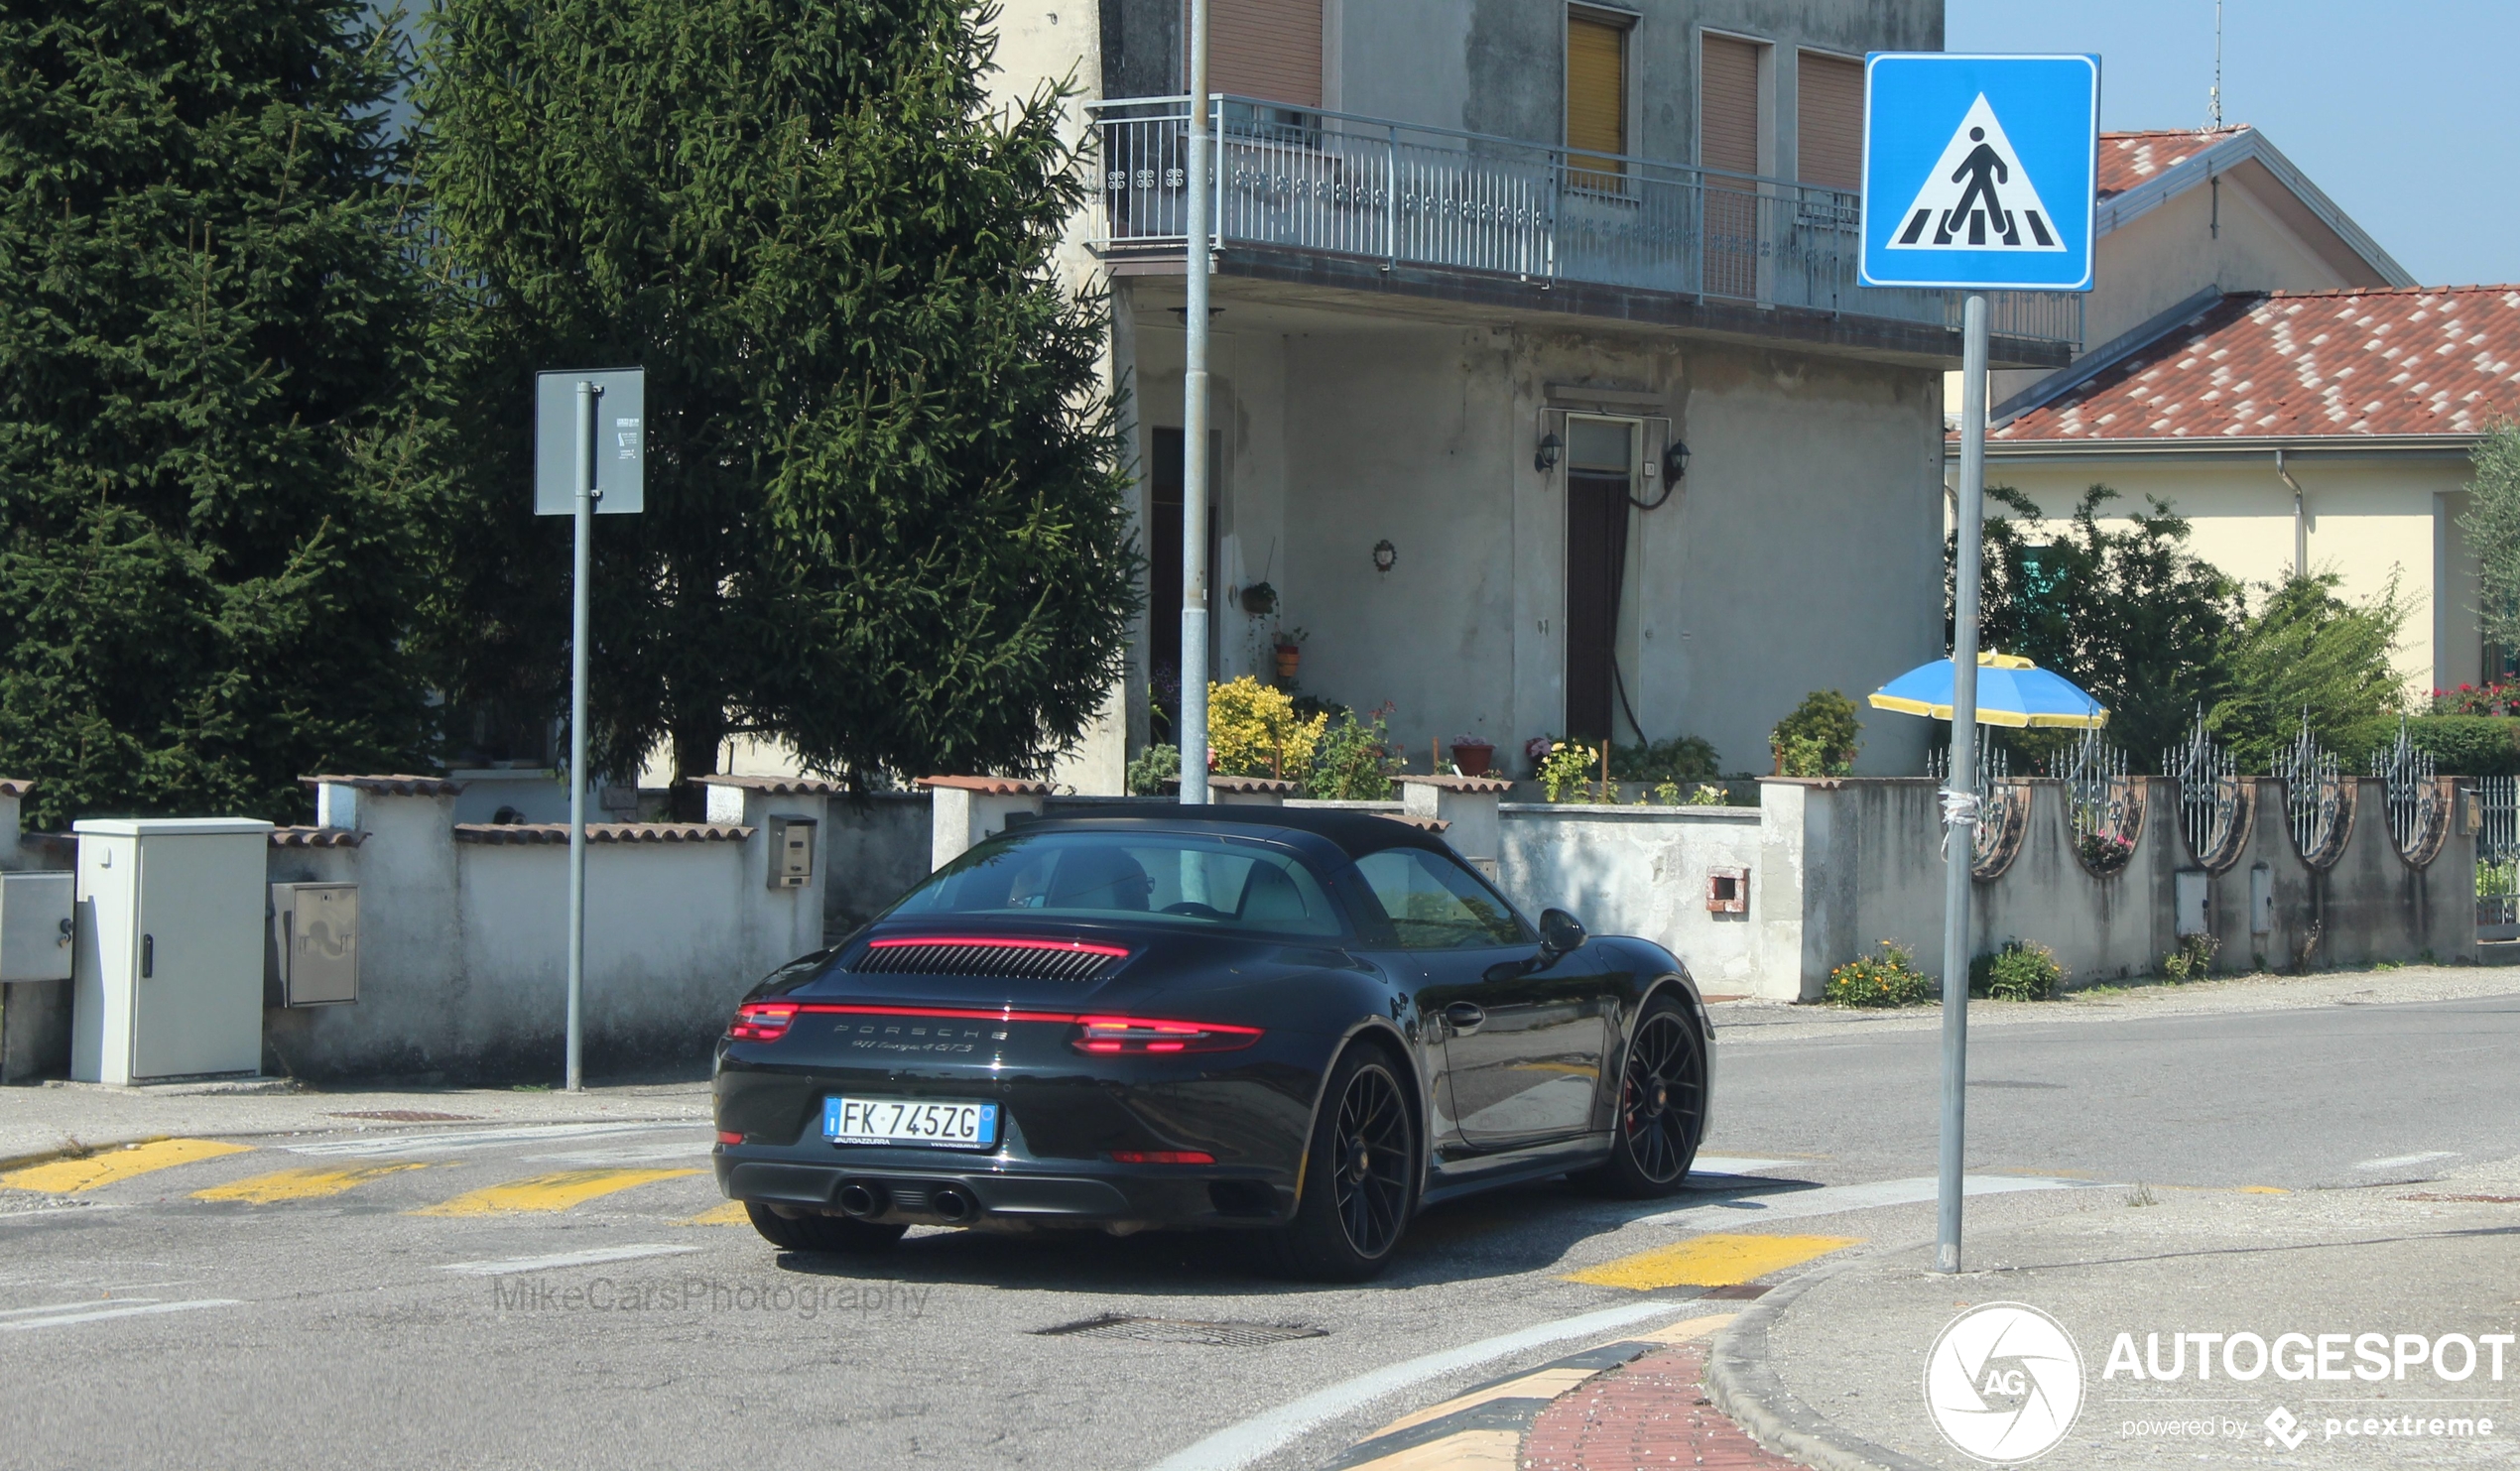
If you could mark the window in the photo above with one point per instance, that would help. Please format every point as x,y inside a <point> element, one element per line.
<point>1829,120</point>
<point>1728,104</point>
<point>1433,905</point>
<point>1265,49</point>
<point>1597,98</point>
<point>1728,140</point>
<point>1165,878</point>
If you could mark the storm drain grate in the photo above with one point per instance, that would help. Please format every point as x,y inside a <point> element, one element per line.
<point>1182,1330</point>
<point>407,1116</point>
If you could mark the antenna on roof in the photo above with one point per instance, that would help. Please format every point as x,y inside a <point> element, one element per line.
<point>2213,98</point>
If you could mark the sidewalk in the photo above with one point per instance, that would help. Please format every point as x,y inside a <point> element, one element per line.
<point>1829,1368</point>
<point>54,1118</point>
<point>1779,1021</point>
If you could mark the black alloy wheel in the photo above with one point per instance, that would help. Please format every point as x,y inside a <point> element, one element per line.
<point>820,1233</point>
<point>1361,1176</point>
<point>1662,1104</point>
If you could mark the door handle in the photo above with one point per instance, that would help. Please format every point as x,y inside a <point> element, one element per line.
<point>148,957</point>
<point>1464,1018</point>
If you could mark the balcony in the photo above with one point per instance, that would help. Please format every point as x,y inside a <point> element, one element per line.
<point>1337,199</point>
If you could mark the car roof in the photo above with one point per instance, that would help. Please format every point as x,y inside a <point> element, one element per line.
<point>1354,832</point>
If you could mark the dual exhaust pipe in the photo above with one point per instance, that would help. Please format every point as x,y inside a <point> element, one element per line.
<point>866,1200</point>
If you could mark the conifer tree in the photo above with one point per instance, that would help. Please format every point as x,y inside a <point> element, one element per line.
<point>209,437</point>
<point>884,502</point>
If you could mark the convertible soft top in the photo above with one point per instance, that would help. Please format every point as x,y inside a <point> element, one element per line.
<point>1356,833</point>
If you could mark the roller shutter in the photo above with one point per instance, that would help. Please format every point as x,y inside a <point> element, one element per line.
<point>1829,120</point>
<point>1265,49</point>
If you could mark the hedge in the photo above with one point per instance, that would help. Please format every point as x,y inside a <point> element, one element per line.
<point>2469,745</point>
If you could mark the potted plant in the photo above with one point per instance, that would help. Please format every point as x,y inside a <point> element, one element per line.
<point>1473,756</point>
<point>1289,647</point>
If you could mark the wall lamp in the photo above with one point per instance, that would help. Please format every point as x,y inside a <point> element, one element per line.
<point>1675,460</point>
<point>1547,459</point>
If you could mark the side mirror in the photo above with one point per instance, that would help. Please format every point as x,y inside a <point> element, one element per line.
<point>1560,933</point>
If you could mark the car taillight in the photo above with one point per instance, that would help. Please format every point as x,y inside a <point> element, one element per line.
<point>1163,1157</point>
<point>728,1136</point>
<point>762,1020</point>
<point>1103,1035</point>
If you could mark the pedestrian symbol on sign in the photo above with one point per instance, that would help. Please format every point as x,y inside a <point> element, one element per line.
<point>1978,197</point>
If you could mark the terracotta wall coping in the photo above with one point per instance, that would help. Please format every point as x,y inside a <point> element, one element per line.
<point>316,837</point>
<point>989,786</point>
<point>1497,784</point>
<point>778,785</point>
<point>603,832</point>
<point>397,785</point>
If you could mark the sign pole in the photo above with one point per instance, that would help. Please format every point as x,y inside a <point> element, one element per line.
<point>1194,696</point>
<point>577,620</point>
<point>1960,817</point>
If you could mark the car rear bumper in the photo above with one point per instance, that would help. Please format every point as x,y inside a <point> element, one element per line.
<point>915,1187</point>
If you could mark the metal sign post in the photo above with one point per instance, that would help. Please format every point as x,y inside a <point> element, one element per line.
<point>1194,696</point>
<point>590,451</point>
<point>1977,176</point>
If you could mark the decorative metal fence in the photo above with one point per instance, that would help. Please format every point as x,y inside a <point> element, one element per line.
<point>2497,801</point>
<point>2210,805</point>
<point>1403,194</point>
<point>1996,799</point>
<point>2314,796</point>
<point>2100,795</point>
<point>2419,808</point>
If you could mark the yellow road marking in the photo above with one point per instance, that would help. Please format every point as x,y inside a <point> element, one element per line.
<point>558,1191</point>
<point>71,1177</point>
<point>1543,1384</point>
<point>1710,1260</point>
<point>729,1214</point>
<point>1689,1329</point>
<point>2264,1190</point>
<point>1469,1451</point>
<point>299,1185</point>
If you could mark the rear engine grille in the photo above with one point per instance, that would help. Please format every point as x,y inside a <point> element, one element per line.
<point>1027,961</point>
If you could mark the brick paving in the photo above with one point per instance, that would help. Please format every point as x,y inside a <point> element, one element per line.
<point>1653,1413</point>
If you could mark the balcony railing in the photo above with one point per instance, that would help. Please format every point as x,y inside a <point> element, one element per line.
<point>1401,195</point>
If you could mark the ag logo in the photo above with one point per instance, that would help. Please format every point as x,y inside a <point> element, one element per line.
<point>2004,1383</point>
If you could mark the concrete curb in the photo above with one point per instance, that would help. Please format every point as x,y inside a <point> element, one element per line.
<point>1744,1388</point>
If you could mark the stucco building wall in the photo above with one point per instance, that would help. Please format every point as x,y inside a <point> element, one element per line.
<point>2371,518</point>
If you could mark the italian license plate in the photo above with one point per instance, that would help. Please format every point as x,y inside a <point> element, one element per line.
<point>910,1121</point>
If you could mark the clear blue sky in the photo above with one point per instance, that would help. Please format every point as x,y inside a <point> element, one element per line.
<point>2406,113</point>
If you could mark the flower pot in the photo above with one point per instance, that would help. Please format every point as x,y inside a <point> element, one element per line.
<point>1474,758</point>
<point>1288,656</point>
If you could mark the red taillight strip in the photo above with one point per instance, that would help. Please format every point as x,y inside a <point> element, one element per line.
<point>767,1021</point>
<point>959,1013</point>
<point>1000,942</point>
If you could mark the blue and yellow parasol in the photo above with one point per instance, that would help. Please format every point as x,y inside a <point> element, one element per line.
<point>2011,690</point>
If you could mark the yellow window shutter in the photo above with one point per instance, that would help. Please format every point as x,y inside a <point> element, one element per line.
<point>1596,85</point>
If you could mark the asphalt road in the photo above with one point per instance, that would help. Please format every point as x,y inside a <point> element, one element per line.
<point>428,1311</point>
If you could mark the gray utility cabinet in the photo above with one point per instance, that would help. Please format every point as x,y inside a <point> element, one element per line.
<point>314,943</point>
<point>167,959</point>
<point>35,926</point>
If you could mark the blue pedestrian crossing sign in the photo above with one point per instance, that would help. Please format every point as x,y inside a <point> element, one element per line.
<point>1978,171</point>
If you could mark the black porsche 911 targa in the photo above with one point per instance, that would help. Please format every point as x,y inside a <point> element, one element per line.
<point>1309,1022</point>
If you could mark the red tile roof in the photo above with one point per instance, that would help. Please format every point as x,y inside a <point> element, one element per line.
<point>2129,159</point>
<point>2413,360</point>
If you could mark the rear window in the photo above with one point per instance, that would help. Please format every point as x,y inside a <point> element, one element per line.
<point>1179,879</point>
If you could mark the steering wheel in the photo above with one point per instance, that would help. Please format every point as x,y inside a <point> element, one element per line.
<point>1195,909</point>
